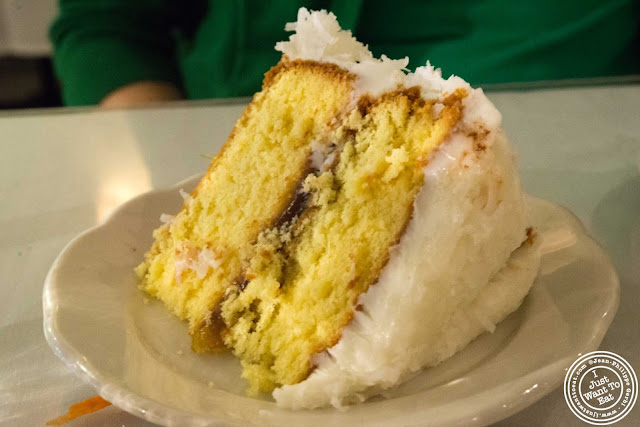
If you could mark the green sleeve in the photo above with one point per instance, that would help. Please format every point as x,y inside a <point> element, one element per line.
<point>101,45</point>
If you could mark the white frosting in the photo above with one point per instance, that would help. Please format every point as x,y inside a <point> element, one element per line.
<point>447,272</point>
<point>322,155</point>
<point>318,37</point>
<point>457,270</point>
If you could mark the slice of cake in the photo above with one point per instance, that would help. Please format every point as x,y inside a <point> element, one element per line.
<point>359,224</point>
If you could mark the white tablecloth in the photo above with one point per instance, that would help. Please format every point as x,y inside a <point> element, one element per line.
<point>62,171</point>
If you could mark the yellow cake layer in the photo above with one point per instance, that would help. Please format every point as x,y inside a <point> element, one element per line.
<point>246,189</point>
<point>302,284</point>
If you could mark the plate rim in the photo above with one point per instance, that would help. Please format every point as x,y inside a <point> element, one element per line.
<point>161,413</point>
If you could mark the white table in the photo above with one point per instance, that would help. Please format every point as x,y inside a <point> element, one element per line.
<point>62,171</point>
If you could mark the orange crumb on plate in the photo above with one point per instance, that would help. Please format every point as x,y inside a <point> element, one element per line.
<point>85,407</point>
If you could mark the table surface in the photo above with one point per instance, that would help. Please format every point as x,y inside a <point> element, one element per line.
<point>62,171</point>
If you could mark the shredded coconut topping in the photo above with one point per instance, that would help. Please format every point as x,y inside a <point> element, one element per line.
<point>318,36</point>
<point>200,262</point>
<point>185,196</point>
<point>166,219</point>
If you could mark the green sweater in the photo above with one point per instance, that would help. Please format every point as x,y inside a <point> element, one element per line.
<point>222,48</point>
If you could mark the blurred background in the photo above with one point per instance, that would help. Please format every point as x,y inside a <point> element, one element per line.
<point>26,74</point>
<point>580,40</point>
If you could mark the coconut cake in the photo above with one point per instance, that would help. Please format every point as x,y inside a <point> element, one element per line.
<point>360,223</point>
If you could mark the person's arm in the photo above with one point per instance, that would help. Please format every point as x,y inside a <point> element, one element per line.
<point>118,52</point>
<point>140,93</point>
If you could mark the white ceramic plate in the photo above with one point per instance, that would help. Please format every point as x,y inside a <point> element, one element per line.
<point>137,355</point>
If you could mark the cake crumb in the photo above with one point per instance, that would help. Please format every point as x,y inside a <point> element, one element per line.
<point>166,219</point>
<point>396,160</point>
